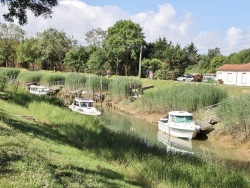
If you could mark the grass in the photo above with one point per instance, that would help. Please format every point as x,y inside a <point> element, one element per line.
<point>65,149</point>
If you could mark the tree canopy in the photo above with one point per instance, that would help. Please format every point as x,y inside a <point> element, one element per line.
<point>18,9</point>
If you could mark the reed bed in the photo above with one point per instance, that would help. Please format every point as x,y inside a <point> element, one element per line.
<point>30,76</point>
<point>121,88</point>
<point>75,81</point>
<point>190,97</point>
<point>11,73</point>
<point>234,113</point>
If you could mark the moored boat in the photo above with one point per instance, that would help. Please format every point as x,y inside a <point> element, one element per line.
<point>39,90</point>
<point>179,124</point>
<point>84,106</point>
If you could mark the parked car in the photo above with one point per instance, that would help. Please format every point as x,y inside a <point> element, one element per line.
<point>188,78</point>
<point>208,79</point>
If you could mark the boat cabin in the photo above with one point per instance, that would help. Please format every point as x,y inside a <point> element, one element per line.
<point>81,102</point>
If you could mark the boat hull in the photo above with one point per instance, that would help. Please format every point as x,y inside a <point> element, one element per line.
<point>176,131</point>
<point>85,111</point>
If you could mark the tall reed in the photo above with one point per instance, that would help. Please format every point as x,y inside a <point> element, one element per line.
<point>30,76</point>
<point>188,97</point>
<point>124,87</point>
<point>234,114</point>
<point>9,72</point>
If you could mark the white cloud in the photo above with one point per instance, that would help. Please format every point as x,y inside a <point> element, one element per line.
<point>234,35</point>
<point>164,23</point>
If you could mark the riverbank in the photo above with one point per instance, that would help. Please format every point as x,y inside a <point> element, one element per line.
<point>238,150</point>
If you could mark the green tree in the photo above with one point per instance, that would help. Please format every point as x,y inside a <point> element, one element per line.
<point>96,37</point>
<point>203,64</point>
<point>54,45</point>
<point>241,57</point>
<point>18,9</point>
<point>77,58</point>
<point>177,60</point>
<point>97,61</point>
<point>28,52</point>
<point>152,65</point>
<point>213,52</point>
<point>161,49</point>
<point>10,37</point>
<point>216,62</point>
<point>124,42</point>
<point>192,54</point>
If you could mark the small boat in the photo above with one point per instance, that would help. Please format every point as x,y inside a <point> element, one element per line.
<point>179,124</point>
<point>84,106</point>
<point>39,90</point>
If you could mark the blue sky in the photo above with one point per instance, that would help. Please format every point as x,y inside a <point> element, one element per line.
<point>206,23</point>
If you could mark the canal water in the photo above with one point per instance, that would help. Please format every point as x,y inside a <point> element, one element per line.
<point>202,147</point>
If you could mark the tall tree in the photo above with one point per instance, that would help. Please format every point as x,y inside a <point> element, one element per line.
<point>54,45</point>
<point>177,60</point>
<point>96,37</point>
<point>192,54</point>
<point>216,62</point>
<point>28,52</point>
<point>161,48</point>
<point>18,9</point>
<point>77,58</point>
<point>239,58</point>
<point>10,37</point>
<point>213,52</point>
<point>124,41</point>
<point>97,61</point>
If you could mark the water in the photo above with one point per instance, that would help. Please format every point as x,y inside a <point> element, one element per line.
<point>149,132</point>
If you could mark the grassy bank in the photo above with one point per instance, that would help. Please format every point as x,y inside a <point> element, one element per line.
<point>65,149</point>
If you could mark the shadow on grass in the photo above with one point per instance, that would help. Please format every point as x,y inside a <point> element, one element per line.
<point>100,174</point>
<point>23,99</point>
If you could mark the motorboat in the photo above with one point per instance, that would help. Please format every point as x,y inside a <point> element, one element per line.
<point>179,124</point>
<point>175,145</point>
<point>39,90</point>
<point>84,106</point>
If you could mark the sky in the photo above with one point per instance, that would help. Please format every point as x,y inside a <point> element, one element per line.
<point>208,24</point>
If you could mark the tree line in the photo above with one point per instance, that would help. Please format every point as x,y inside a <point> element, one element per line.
<point>119,49</point>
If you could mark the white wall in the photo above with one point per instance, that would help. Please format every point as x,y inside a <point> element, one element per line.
<point>234,78</point>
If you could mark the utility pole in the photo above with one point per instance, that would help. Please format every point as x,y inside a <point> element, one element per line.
<point>139,74</point>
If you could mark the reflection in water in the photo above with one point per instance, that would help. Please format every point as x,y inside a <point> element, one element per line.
<point>175,145</point>
<point>122,122</point>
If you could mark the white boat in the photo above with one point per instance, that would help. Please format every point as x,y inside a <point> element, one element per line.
<point>179,124</point>
<point>84,106</point>
<point>39,90</point>
<point>175,145</point>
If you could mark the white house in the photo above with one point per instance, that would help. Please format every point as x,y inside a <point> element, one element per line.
<point>234,74</point>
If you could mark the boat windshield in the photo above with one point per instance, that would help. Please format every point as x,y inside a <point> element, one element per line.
<point>184,119</point>
<point>86,104</point>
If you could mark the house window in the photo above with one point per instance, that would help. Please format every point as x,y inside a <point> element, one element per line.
<point>229,77</point>
<point>244,78</point>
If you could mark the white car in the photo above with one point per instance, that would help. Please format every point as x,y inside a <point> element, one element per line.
<point>188,78</point>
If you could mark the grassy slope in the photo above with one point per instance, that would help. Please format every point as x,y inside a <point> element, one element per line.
<point>35,155</point>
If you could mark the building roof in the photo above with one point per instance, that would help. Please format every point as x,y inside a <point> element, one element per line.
<point>235,67</point>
